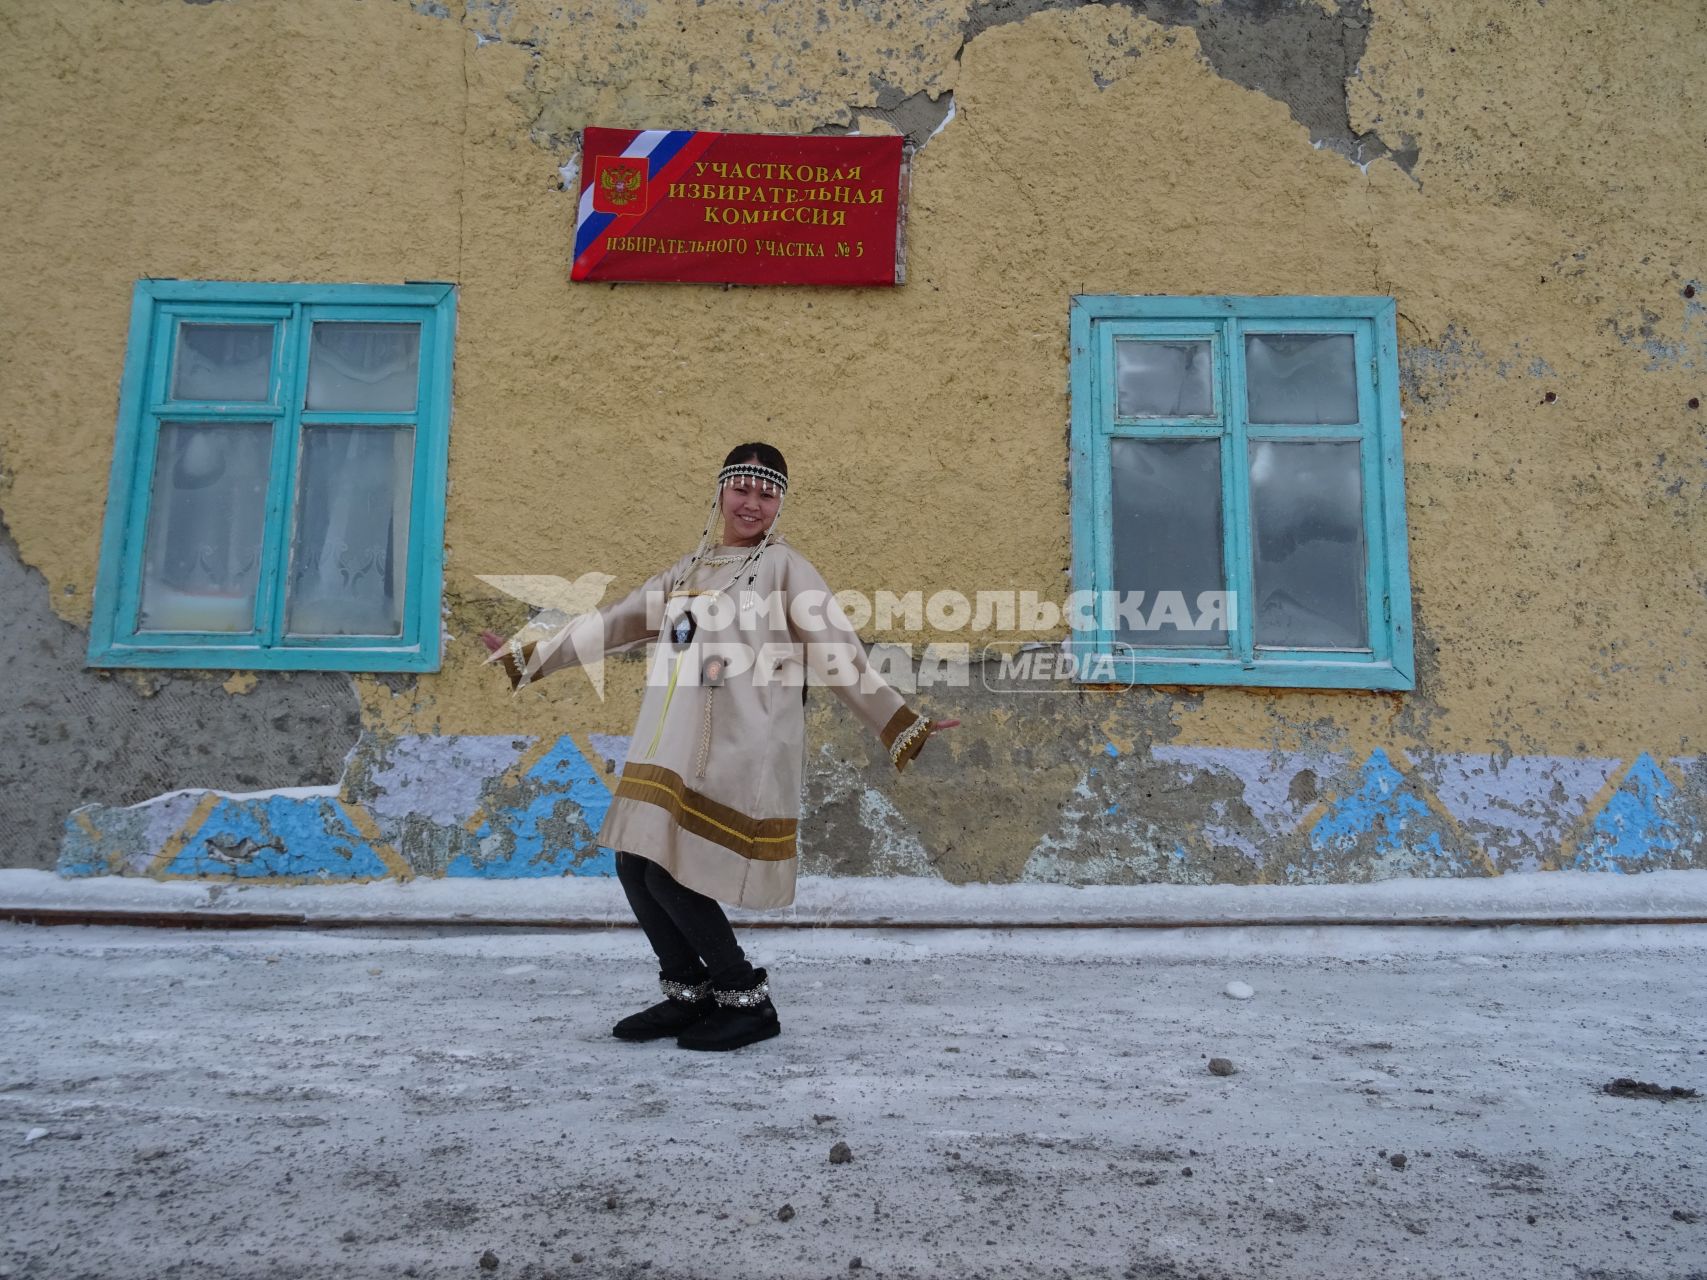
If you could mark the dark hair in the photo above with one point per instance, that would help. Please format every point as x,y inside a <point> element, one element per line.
<point>766,455</point>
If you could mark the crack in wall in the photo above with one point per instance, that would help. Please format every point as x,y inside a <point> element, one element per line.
<point>1277,47</point>
<point>1298,52</point>
<point>918,117</point>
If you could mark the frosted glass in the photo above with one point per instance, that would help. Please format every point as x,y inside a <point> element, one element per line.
<point>1167,533</point>
<point>364,368</point>
<point>223,362</point>
<point>1308,546</point>
<point>350,545</point>
<point>1155,379</point>
<point>1301,377</point>
<point>207,506</point>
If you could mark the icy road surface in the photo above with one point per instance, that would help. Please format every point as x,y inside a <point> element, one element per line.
<point>1417,1102</point>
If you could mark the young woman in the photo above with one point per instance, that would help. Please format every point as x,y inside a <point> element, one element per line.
<point>708,803</point>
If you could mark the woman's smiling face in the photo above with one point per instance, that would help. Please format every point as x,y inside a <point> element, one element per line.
<point>749,506</point>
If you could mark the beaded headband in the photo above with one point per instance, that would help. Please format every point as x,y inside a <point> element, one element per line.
<point>754,471</point>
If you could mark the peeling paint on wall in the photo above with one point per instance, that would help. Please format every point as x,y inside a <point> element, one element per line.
<point>1301,54</point>
<point>78,737</point>
<point>509,808</point>
<point>1517,808</point>
<point>1515,186</point>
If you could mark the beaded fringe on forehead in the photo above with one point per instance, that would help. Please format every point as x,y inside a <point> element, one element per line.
<point>767,476</point>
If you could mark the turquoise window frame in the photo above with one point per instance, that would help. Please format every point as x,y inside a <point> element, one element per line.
<point>1094,321</point>
<point>157,307</point>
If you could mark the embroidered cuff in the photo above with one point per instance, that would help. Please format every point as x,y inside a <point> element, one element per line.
<point>907,739</point>
<point>514,659</point>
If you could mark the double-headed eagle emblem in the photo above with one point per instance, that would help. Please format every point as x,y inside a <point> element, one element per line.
<point>622,184</point>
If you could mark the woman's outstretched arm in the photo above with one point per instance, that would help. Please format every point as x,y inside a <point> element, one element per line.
<point>587,637</point>
<point>836,655</point>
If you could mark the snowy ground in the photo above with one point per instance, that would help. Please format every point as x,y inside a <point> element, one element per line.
<point>400,1103</point>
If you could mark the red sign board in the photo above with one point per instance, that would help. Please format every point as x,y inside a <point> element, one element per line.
<point>740,208</point>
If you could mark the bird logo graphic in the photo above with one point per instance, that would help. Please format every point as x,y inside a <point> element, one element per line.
<point>557,600</point>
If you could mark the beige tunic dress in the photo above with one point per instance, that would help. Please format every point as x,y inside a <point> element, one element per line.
<point>711,786</point>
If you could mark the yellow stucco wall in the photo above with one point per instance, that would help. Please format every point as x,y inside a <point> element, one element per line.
<point>1541,243</point>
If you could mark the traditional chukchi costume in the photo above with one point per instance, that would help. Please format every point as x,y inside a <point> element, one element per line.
<point>711,786</point>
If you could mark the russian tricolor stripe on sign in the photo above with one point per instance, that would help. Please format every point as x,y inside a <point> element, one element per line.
<point>668,153</point>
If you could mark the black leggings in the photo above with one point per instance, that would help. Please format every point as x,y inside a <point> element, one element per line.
<point>688,930</point>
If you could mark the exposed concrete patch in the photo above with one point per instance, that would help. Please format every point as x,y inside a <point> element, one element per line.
<point>849,827</point>
<point>774,68</point>
<point>1668,344</point>
<point>917,117</point>
<point>1297,52</point>
<point>1277,787</point>
<point>1136,819</point>
<point>1117,812</point>
<point>1020,756</point>
<point>80,736</point>
<point>1433,372</point>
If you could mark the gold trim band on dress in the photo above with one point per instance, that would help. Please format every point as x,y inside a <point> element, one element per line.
<point>763,839</point>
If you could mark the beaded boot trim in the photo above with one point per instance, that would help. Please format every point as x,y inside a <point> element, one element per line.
<point>686,993</point>
<point>751,999</point>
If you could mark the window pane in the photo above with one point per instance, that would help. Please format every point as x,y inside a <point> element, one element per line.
<point>368,368</point>
<point>1167,539</point>
<point>1301,377</point>
<point>1163,379</point>
<point>1307,540</point>
<point>205,516</point>
<point>350,553</point>
<point>223,362</point>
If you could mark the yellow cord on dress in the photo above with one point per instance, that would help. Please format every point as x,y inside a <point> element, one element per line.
<point>665,709</point>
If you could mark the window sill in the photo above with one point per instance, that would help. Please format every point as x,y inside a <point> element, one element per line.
<point>215,658</point>
<point>1290,674</point>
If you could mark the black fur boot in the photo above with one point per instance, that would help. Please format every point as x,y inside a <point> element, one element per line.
<point>738,1018</point>
<point>683,1005</point>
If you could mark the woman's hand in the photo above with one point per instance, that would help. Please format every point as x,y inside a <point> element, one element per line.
<point>493,642</point>
<point>937,726</point>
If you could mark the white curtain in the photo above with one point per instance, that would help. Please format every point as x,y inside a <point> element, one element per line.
<point>205,518</point>
<point>350,553</point>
